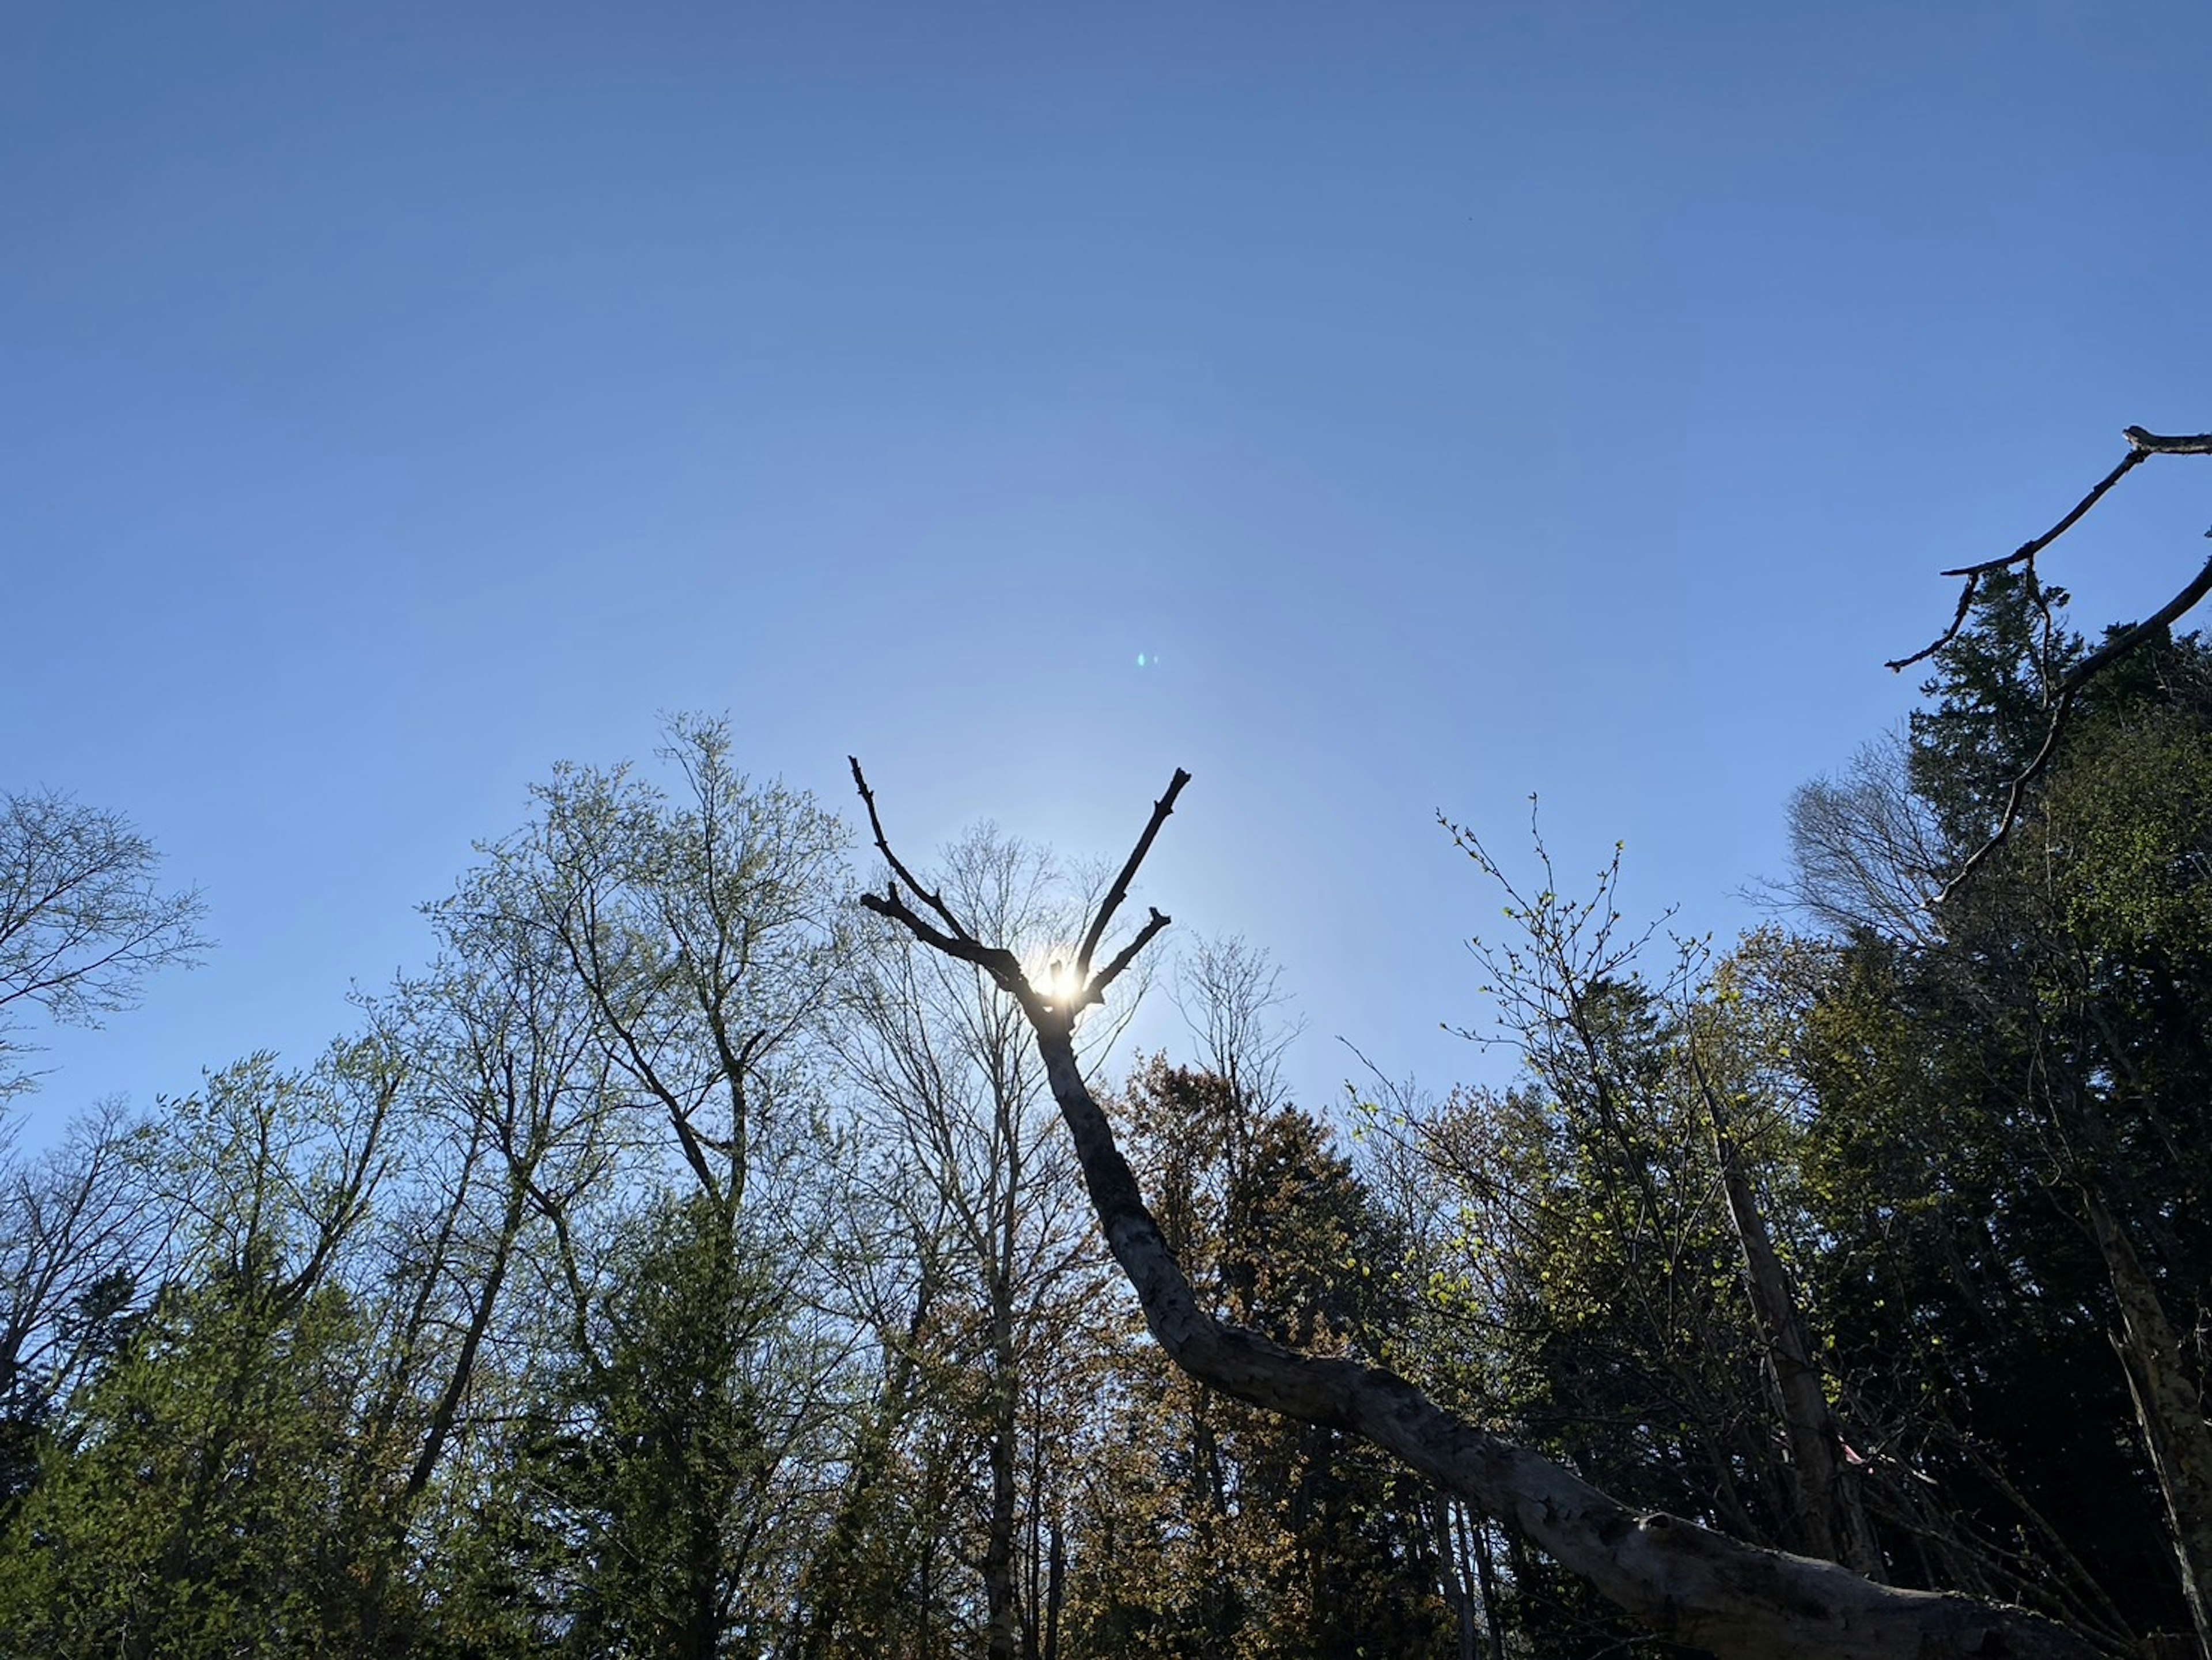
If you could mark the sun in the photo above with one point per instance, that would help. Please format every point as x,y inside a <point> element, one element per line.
<point>1054,975</point>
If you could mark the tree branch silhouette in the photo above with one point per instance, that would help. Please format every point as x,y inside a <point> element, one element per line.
<point>1683,1581</point>
<point>2142,446</point>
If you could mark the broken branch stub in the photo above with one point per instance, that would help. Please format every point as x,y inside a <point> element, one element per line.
<point>1684,1581</point>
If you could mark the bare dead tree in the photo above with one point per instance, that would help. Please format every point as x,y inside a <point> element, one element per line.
<point>2062,697</point>
<point>83,921</point>
<point>1865,851</point>
<point>1231,996</point>
<point>1684,1581</point>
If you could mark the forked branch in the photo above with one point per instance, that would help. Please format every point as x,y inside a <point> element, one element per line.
<point>1684,1581</point>
<point>2142,446</point>
<point>1119,890</point>
<point>954,939</point>
<point>934,900</point>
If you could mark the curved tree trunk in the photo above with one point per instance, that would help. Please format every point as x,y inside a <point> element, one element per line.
<point>1683,1582</point>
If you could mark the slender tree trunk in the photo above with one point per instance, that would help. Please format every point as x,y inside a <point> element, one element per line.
<point>1486,1571</point>
<point>1055,1590</point>
<point>702,1588</point>
<point>376,1602</point>
<point>1831,1522</point>
<point>446,1413</point>
<point>1451,1569</point>
<point>1003,1636</point>
<point>825,1588</point>
<point>2170,1410</point>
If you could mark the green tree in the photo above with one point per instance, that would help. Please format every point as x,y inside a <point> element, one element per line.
<point>1221,1528</point>
<point>2013,1097</point>
<point>189,1502</point>
<point>670,1453</point>
<point>82,1231</point>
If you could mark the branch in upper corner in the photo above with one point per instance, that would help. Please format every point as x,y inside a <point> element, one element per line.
<point>2150,443</point>
<point>1119,890</point>
<point>2025,552</point>
<point>2140,445</point>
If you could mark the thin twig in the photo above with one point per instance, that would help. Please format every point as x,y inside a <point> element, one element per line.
<point>1957,621</point>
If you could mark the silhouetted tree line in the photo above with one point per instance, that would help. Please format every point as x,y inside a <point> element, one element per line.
<point>681,1262</point>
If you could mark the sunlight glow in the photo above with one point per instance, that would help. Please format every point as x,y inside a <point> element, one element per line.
<point>1053,973</point>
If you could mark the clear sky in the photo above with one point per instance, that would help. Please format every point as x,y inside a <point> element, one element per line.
<point>1445,402</point>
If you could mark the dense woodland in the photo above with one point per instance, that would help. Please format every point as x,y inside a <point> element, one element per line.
<point>685,1262</point>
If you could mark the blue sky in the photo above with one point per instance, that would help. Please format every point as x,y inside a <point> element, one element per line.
<point>1449,402</point>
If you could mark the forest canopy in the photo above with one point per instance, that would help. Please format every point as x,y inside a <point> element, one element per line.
<point>684,1261</point>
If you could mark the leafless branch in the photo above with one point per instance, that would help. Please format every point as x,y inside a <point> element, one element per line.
<point>1119,890</point>
<point>934,901</point>
<point>1094,990</point>
<point>994,960</point>
<point>2141,445</point>
<point>956,941</point>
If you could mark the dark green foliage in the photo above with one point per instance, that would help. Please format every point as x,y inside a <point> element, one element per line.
<point>2047,1045</point>
<point>1224,1529</point>
<point>652,1457</point>
<point>191,1506</point>
<point>1992,696</point>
